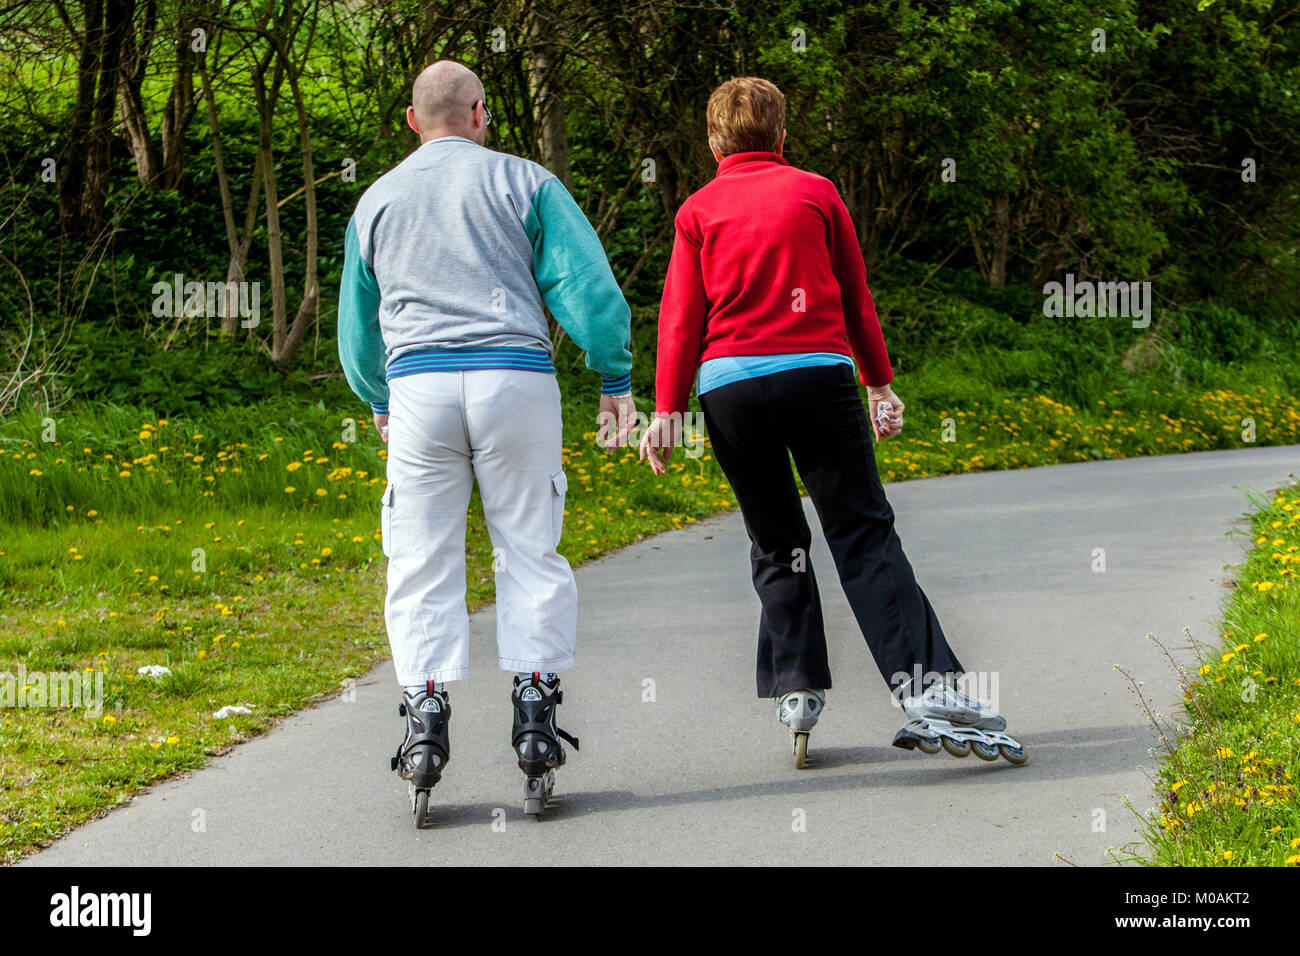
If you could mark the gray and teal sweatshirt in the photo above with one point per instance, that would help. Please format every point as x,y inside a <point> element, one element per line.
<point>447,261</point>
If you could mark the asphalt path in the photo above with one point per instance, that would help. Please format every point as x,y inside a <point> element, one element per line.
<point>681,763</point>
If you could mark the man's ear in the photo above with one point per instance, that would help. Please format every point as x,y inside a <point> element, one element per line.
<point>410,119</point>
<point>781,148</point>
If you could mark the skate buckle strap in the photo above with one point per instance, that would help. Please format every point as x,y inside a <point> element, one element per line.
<point>559,699</point>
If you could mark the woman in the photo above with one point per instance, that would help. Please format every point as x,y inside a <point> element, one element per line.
<point>766,296</point>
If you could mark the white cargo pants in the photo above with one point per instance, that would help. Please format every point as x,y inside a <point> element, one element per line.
<point>445,429</point>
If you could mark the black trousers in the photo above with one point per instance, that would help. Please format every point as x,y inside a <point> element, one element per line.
<point>816,415</point>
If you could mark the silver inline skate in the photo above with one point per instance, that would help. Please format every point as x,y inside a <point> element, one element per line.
<point>799,710</point>
<point>961,725</point>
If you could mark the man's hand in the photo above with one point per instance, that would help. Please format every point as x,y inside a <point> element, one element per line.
<point>617,416</point>
<point>883,429</point>
<point>381,423</point>
<point>661,434</point>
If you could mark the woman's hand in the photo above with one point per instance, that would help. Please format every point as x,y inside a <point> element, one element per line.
<point>892,422</point>
<point>662,433</point>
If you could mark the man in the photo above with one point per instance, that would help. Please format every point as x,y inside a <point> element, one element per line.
<point>766,297</point>
<point>449,258</point>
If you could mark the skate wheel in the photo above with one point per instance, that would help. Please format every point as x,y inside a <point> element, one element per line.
<point>800,750</point>
<point>927,746</point>
<point>955,747</point>
<point>536,794</point>
<point>420,807</point>
<point>984,751</point>
<point>1014,755</point>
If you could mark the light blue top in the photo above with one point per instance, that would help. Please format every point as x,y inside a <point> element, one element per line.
<point>717,372</point>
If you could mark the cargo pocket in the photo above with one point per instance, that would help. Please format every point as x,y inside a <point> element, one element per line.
<point>386,520</point>
<point>559,485</point>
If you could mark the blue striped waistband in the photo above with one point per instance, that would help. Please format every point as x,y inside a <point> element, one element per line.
<point>464,360</point>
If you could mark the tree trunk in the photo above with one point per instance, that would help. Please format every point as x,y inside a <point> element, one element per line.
<point>136,129</point>
<point>545,91</point>
<point>237,241</point>
<point>135,124</point>
<point>286,347</point>
<point>1001,240</point>
<point>275,254</point>
<point>117,22</point>
<point>72,183</point>
<point>177,115</point>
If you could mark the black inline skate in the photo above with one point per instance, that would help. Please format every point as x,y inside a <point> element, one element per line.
<point>427,747</point>
<point>536,738</point>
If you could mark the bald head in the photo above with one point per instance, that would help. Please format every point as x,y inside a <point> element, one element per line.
<point>444,96</point>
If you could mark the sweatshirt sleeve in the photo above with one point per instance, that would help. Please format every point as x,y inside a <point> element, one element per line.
<point>578,286</point>
<point>683,312</point>
<point>361,346</point>
<point>861,324</point>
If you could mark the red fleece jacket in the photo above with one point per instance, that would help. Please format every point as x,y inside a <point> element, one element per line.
<point>765,261</point>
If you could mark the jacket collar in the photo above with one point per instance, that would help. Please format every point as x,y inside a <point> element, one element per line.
<point>733,160</point>
<point>448,139</point>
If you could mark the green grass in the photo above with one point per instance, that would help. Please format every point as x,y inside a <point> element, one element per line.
<point>99,528</point>
<point>1227,791</point>
<point>252,595</point>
